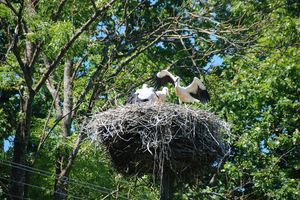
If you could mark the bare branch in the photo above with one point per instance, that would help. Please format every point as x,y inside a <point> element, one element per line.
<point>191,56</point>
<point>77,67</point>
<point>131,12</point>
<point>141,50</point>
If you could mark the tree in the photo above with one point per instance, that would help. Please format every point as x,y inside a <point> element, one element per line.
<point>68,58</point>
<point>24,17</point>
<point>257,91</point>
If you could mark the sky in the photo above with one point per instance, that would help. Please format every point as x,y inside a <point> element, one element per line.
<point>8,143</point>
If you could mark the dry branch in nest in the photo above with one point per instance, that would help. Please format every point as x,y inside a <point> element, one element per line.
<point>150,138</point>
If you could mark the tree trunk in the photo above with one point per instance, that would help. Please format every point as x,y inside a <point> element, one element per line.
<point>68,100</point>
<point>20,147</point>
<point>60,186</point>
<point>19,177</point>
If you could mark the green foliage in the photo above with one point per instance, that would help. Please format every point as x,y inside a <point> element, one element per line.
<point>256,89</point>
<point>258,93</point>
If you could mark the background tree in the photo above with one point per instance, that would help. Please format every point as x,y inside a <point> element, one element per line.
<point>62,60</point>
<point>257,91</point>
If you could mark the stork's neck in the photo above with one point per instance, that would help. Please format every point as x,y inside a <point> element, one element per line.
<point>177,83</point>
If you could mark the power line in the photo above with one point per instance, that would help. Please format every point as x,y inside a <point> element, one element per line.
<point>42,174</point>
<point>42,188</point>
<point>15,196</point>
<point>40,171</point>
<point>48,174</point>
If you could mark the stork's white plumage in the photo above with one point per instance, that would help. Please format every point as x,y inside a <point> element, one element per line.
<point>194,92</point>
<point>162,95</point>
<point>147,94</point>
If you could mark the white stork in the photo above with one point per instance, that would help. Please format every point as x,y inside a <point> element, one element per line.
<point>162,95</point>
<point>195,92</point>
<point>147,94</point>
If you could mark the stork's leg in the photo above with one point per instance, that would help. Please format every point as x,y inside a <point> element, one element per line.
<point>180,102</point>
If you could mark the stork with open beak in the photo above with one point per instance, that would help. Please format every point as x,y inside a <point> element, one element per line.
<point>195,92</point>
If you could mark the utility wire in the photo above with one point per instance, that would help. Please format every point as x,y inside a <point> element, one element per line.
<point>42,174</point>
<point>48,174</point>
<point>42,188</point>
<point>14,196</point>
<point>40,171</point>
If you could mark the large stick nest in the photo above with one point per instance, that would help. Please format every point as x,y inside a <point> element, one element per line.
<point>149,138</point>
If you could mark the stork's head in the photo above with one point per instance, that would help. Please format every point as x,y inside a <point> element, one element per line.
<point>162,73</point>
<point>166,90</point>
<point>145,86</point>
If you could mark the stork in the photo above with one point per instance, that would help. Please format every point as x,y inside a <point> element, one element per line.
<point>162,95</point>
<point>195,92</point>
<point>147,94</point>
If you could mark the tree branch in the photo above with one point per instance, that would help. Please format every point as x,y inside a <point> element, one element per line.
<point>54,92</point>
<point>222,196</point>
<point>76,146</point>
<point>96,74</point>
<point>67,46</point>
<point>15,48</point>
<point>141,50</point>
<point>44,136</point>
<point>94,5</point>
<point>77,67</point>
<point>35,55</point>
<point>190,55</point>
<point>10,6</point>
<point>55,15</point>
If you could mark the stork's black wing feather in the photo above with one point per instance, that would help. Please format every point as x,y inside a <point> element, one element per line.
<point>159,82</point>
<point>201,95</point>
<point>134,99</point>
